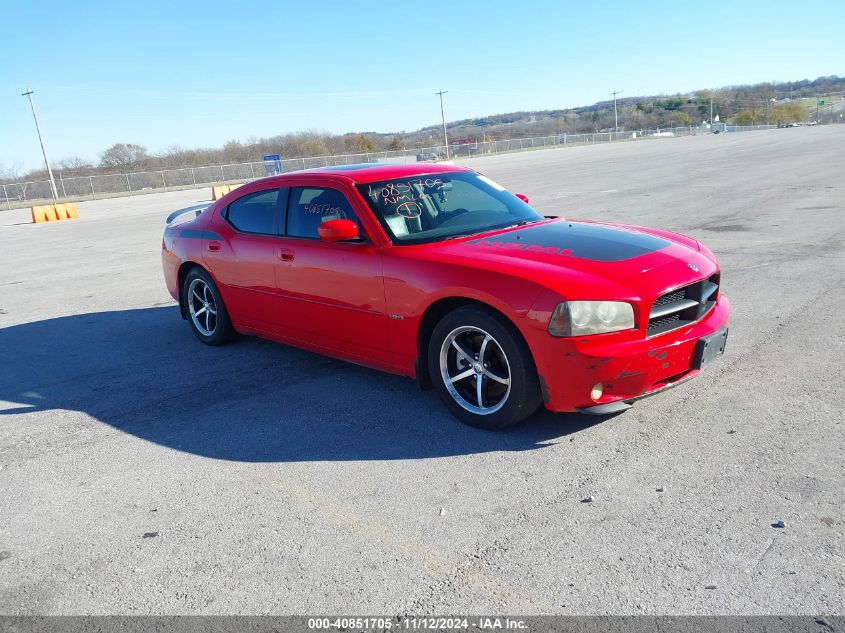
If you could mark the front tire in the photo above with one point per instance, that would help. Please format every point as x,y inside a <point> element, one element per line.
<point>206,311</point>
<point>482,369</point>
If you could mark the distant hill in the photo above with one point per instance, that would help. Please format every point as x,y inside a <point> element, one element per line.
<point>748,103</point>
<point>774,102</point>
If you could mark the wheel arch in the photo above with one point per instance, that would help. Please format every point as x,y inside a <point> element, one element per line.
<point>184,269</point>
<point>439,309</point>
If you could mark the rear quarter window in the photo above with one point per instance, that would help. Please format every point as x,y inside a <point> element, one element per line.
<point>256,212</point>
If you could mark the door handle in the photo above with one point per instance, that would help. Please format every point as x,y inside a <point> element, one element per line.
<point>214,246</point>
<point>285,254</point>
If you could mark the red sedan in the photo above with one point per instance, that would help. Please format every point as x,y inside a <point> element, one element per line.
<point>438,273</point>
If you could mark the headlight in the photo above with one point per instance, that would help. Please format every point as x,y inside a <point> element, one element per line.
<point>577,318</point>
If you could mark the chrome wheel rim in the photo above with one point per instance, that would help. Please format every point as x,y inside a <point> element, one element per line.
<point>202,307</point>
<point>475,370</point>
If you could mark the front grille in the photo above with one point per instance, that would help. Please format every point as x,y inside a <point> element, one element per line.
<point>664,324</point>
<point>668,298</point>
<point>683,306</point>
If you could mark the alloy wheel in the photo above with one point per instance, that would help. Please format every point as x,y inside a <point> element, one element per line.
<point>202,307</point>
<point>475,370</point>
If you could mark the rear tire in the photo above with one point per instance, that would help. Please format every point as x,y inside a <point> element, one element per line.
<point>206,311</point>
<point>482,369</point>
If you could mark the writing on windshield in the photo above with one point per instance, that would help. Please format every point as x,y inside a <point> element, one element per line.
<point>432,207</point>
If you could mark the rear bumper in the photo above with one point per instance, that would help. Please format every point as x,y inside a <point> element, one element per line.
<point>569,368</point>
<point>170,265</point>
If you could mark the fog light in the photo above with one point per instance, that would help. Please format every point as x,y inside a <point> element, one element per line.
<point>596,391</point>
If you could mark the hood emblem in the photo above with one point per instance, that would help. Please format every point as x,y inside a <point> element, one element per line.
<point>694,267</point>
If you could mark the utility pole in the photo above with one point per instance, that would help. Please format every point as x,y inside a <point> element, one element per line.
<point>443,117</point>
<point>615,113</point>
<point>711,112</point>
<point>29,92</point>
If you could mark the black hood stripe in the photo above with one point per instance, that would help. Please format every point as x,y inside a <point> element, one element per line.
<point>586,241</point>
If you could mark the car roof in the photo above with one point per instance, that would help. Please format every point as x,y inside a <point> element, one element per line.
<point>374,172</point>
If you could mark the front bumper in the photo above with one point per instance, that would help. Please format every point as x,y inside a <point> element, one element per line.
<point>569,368</point>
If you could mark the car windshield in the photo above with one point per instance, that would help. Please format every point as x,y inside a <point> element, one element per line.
<point>429,208</point>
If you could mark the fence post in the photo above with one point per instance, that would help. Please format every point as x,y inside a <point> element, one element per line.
<point>193,177</point>
<point>222,178</point>
<point>128,185</point>
<point>91,182</point>
<point>252,170</point>
<point>163,181</point>
<point>6,196</point>
<point>62,181</point>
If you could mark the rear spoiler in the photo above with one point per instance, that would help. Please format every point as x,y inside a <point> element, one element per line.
<point>195,209</point>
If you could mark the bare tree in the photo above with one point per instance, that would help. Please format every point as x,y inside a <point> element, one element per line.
<point>74,164</point>
<point>10,173</point>
<point>124,157</point>
<point>235,152</point>
<point>360,143</point>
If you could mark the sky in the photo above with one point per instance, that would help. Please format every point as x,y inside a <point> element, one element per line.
<point>196,74</point>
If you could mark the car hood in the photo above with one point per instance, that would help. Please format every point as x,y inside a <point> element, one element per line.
<point>618,258</point>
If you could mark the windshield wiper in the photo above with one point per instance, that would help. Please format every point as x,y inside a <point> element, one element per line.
<point>524,222</point>
<point>458,235</point>
<point>490,228</point>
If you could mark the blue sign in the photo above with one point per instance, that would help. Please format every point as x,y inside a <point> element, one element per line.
<point>272,164</point>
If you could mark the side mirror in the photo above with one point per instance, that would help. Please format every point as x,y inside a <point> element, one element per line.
<point>522,197</point>
<point>338,230</point>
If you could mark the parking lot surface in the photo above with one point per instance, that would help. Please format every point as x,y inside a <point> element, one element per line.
<point>141,472</point>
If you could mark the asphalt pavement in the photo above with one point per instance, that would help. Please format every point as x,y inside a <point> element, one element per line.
<point>141,472</point>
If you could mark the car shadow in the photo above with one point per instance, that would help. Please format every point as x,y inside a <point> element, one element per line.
<point>143,373</point>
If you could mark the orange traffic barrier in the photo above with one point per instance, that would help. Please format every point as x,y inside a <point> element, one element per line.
<point>44,213</point>
<point>219,191</point>
<point>54,212</point>
<point>39,215</point>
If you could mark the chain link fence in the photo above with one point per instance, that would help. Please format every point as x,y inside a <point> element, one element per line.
<point>77,188</point>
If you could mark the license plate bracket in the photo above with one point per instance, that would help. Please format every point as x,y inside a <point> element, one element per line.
<point>709,348</point>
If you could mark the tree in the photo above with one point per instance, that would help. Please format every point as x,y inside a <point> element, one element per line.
<point>124,157</point>
<point>748,116</point>
<point>395,144</point>
<point>234,152</point>
<point>74,163</point>
<point>788,112</point>
<point>361,143</point>
<point>10,173</point>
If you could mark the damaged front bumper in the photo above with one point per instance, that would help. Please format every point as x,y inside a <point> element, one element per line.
<point>573,370</point>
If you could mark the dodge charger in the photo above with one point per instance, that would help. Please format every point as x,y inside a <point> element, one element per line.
<point>439,273</point>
